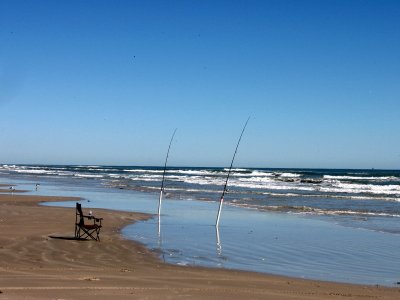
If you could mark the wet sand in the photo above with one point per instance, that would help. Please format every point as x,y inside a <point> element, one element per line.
<point>35,266</point>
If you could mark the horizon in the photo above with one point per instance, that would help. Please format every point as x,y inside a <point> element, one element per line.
<point>103,83</point>
<point>197,167</point>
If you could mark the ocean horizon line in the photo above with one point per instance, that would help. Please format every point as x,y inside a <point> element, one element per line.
<point>197,167</point>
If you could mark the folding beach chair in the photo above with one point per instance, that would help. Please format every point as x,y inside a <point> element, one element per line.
<point>84,230</point>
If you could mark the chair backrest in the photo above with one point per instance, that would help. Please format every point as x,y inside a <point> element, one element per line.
<point>79,213</point>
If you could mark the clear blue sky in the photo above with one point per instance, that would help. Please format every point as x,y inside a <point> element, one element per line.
<point>106,82</point>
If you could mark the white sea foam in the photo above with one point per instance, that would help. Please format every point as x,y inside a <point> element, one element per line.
<point>270,186</point>
<point>114,175</point>
<point>8,167</point>
<point>204,180</point>
<point>350,212</point>
<point>146,178</point>
<point>236,170</point>
<point>89,175</point>
<point>257,179</point>
<point>195,172</point>
<point>362,188</point>
<point>251,174</point>
<point>258,173</point>
<point>101,169</point>
<point>291,175</point>
<point>143,171</point>
<point>382,178</point>
<point>37,171</point>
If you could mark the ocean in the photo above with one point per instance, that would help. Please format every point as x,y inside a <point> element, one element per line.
<point>328,224</point>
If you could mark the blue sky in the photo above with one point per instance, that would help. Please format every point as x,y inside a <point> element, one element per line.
<point>107,82</point>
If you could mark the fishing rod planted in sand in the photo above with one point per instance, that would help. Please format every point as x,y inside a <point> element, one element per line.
<point>229,173</point>
<point>163,177</point>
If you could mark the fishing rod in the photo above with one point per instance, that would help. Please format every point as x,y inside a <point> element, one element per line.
<point>163,177</point>
<point>229,173</point>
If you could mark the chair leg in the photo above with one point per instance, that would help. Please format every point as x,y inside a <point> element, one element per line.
<point>93,234</point>
<point>83,233</point>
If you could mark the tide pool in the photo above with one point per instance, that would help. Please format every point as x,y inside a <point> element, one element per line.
<point>269,243</point>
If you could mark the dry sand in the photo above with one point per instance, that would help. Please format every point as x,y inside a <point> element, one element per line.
<point>35,266</point>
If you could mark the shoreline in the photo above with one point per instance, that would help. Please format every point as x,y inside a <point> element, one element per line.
<point>36,266</point>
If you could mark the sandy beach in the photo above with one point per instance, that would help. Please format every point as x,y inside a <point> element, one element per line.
<point>33,265</point>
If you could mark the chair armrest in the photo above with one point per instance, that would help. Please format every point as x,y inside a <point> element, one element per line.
<point>87,216</point>
<point>90,217</point>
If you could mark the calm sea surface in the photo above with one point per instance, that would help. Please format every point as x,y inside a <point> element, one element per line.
<point>340,225</point>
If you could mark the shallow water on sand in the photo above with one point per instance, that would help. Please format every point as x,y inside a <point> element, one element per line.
<point>270,243</point>
<point>247,239</point>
